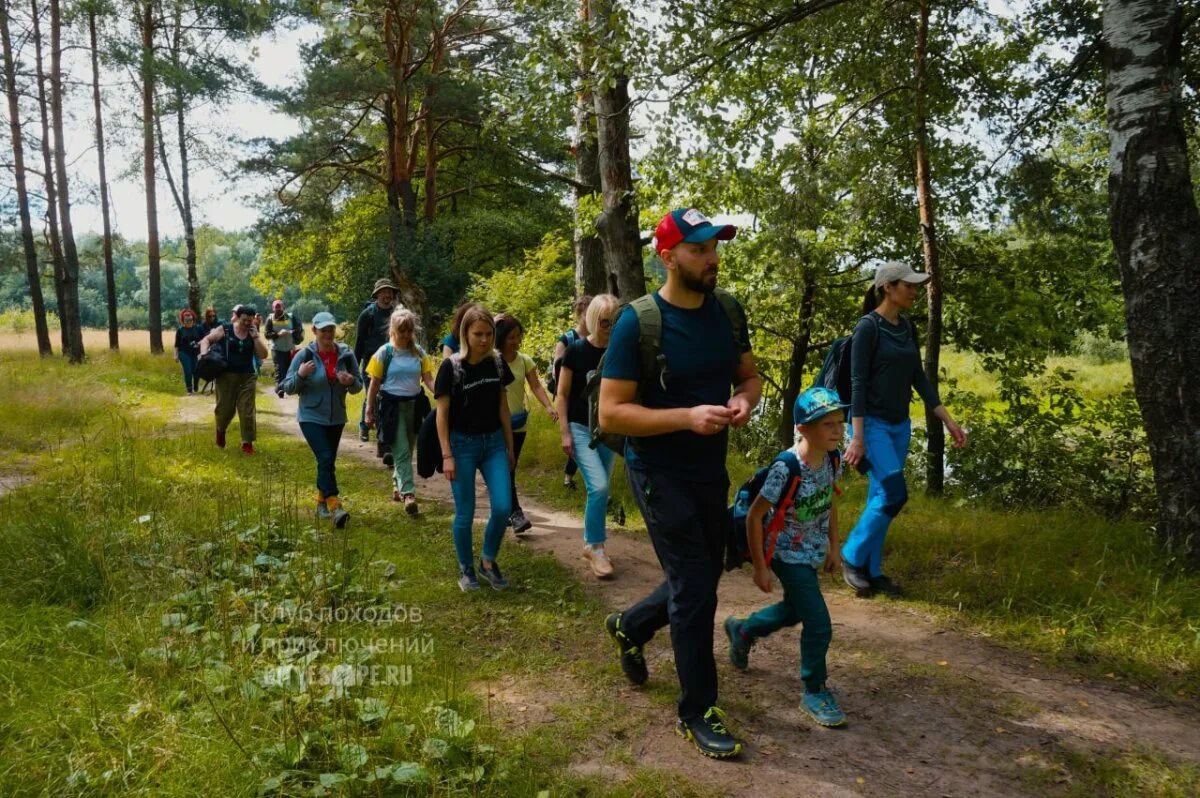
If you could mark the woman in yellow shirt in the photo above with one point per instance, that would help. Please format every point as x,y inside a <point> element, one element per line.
<point>509,335</point>
<point>397,371</point>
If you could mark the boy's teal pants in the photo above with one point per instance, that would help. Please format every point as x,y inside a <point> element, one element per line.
<point>802,604</point>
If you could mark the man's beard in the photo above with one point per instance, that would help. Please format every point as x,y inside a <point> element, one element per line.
<point>703,284</point>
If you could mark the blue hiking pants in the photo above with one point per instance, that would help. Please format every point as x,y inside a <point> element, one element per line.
<point>886,446</point>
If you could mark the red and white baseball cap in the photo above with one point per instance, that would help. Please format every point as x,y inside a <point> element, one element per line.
<point>690,225</point>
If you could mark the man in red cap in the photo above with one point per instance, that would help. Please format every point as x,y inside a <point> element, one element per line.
<point>674,405</point>
<point>285,333</point>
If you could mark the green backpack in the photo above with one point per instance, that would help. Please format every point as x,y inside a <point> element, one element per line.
<point>653,361</point>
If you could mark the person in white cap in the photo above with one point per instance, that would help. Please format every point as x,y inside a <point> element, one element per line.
<point>885,367</point>
<point>323,373</point>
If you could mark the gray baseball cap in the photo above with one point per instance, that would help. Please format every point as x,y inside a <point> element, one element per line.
<point>893,270</point>
<point>323,320</point>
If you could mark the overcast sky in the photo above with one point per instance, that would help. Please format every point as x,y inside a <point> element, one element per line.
<point>216,200</point>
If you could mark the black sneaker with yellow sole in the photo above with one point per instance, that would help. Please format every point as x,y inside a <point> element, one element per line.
<point>710,735</point>
<point>633,663</point>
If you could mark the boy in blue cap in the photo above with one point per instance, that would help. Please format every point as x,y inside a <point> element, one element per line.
<point>801,484</point>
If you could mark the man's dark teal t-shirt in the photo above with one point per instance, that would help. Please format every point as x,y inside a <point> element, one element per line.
<point>702,361</point>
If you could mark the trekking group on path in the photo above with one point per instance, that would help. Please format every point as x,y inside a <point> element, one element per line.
<point>659,381</point>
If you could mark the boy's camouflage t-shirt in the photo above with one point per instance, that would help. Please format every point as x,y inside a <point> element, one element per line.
<point>804,539</point>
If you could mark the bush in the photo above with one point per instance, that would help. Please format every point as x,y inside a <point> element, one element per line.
<point>22,321</point>
<point>1101,349</point>
<point>1046,445</point>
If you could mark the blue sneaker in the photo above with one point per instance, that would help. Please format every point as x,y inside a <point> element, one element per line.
<point>823,708</point>
<point>493,576</point>
<point>739,647</point>
<point>466,579</point>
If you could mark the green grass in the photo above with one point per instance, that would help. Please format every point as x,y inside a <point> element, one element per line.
<point>131,564</point>
<point>1093,379</point>
<point>139,571</point>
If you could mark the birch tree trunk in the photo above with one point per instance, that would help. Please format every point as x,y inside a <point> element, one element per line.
<point>110,285</point>
<point>52,237</point>
<point>934,464</point>
<point>32,273</point>
<point>69,314</point>
<point>1156,232</point>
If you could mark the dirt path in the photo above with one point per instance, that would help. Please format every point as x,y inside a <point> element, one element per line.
<point>932,711</point>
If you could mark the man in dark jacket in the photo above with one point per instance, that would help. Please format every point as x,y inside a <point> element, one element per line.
<point>371,332</point>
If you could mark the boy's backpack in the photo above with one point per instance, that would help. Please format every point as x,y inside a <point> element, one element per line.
<point>653,362</point>
<point>737,552</point>
<point>835,368</point>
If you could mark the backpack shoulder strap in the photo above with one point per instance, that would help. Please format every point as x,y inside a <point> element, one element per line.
<point>733,311</point>
<point>795,474</point>
<point>387,358</point>
<point>649,337</point>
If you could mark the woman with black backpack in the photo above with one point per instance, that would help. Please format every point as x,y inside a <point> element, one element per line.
<point>475,430</point>
<point>240,343</point>
<point>885,368</point>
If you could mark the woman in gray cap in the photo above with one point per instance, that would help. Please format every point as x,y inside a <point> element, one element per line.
<point>885,367</point>
<point>322,373</point>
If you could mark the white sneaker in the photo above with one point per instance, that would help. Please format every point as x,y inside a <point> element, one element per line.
<point>602,567</point>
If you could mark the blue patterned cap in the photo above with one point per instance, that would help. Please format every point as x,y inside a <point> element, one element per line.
<point>815,403</point>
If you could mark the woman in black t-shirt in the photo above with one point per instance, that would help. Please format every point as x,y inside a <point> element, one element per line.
<point>236,387</point>
<point>475,431</point>
<point>596,465</point>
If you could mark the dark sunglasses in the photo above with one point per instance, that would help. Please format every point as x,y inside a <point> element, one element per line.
<point>605,324</point>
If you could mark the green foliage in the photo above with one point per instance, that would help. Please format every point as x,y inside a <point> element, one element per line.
<point>538,293</point>
<point>190,607</point>
<point>1049,446</point>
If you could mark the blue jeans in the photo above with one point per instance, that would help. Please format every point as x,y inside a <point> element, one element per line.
<point>187,359</point>
<point>886,448</point>
<point>596,466</point>
<point>323,439</point>
<point>488,454</point>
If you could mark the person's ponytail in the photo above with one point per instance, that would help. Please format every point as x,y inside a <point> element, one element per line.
<point>870,301</point>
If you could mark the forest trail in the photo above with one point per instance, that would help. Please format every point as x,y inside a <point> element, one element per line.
<point>931,711</point>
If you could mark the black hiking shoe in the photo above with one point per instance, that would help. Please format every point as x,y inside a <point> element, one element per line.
<point>858,580</point>
<point>389,460</point>
<point>364,434</point>
<point>739,647</point>
<point>882,584</point>
<point>633,663</point>
<point>519,523</point>
<point>709,735</point>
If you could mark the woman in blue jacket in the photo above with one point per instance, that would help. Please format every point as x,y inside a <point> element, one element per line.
<point>322,373</point>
